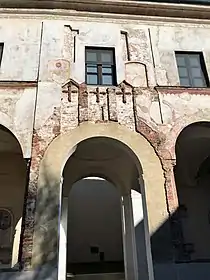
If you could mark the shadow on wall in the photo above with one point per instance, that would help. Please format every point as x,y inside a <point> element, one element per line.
<point>174,241</point>
<point>162,250</point>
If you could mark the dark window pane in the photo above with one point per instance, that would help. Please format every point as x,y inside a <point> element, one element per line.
<point>185,82</point>
<point>106,57</point>
<point>194,60</point>
<point>91,56</point>
<point>107,70</point>
<point>91,69</point>
<point>180,60</point>
<point>92,79</point>
<point>99,66</point>
<point>191,69</point>
<point>196,72</point>
<point>199,82</point>
<point>183,72</point>
<point>106,80</point>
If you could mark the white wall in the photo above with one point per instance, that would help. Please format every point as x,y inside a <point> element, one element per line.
<point>20,58</point>
<point>94,220</point>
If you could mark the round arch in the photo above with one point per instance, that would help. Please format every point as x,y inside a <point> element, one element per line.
<point>50,175</point>
<point>179,126</point>
<point>192,185</point>
<point>13,166</point>
<point>14,141</point>
<point>192,145</point>
<point>91,159</point>
<point>64,145</point>
<point>7,127</point>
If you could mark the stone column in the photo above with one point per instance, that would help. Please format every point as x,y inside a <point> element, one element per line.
<point>172,205</point>
<point>62,256</point>
<point>140,235</point>
<point>130,256</point>
<point>26,238</point>
<point>170,186</point>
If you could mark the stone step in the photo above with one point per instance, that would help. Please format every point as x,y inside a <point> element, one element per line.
<point>102,276</point>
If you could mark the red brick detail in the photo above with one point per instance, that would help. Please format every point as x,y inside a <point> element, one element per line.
<point>170,186</point>
<point>112,105</point>
<point>41,140</point>
<point>155,138</point>
<point>180,90</point>
<point>172,206</point>
<point>83,103</point>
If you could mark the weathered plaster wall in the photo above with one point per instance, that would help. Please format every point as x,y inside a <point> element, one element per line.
<point>179,109</point>
<point>42,50</point>
<point>168,39</point>
<point>21,40</point>
<point>17,105</point>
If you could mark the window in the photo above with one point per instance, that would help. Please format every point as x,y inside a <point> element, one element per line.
<point>192,70</point>
<point>1,51</point>
<point>100,66</point>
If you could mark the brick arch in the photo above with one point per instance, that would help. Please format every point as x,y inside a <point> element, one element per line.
<point>51,169</point>
<point>179,126</point>
<point>155,138</point>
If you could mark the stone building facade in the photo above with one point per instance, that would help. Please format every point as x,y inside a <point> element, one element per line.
<point>145,129</point>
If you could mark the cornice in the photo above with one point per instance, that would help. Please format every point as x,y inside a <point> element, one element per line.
<point>131,7</point>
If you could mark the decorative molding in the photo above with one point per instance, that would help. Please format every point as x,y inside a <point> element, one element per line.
<point>67,88</point>
<point>180,90</point>
<point>71,86</point>
<point>125,35</point>
<point>75,32</point>
<point>18,84</point>
<point>174,10</point>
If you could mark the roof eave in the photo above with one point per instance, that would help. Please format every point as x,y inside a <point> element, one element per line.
<point>115,6</point>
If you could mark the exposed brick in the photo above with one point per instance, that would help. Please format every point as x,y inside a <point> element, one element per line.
<point>41,140</point>
<point>112,104</point>
<point>181,90</point>
<point>83,103</point>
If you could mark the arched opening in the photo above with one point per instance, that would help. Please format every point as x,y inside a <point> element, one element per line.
<point>12,188</point>
<point>122,157</point>
<point>94,234</point>
<point>98,215</point>
<point>192,174</point>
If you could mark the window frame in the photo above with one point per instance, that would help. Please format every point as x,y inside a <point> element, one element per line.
<point>1,53</point>
<point>99,66</point>
<point>188,67</point>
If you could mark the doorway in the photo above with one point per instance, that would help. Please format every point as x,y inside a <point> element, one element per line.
<point>97,215</point>
<point>94,231</point>
<point>112,152</point>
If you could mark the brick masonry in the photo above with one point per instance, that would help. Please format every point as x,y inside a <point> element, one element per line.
<point>80,103</point>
